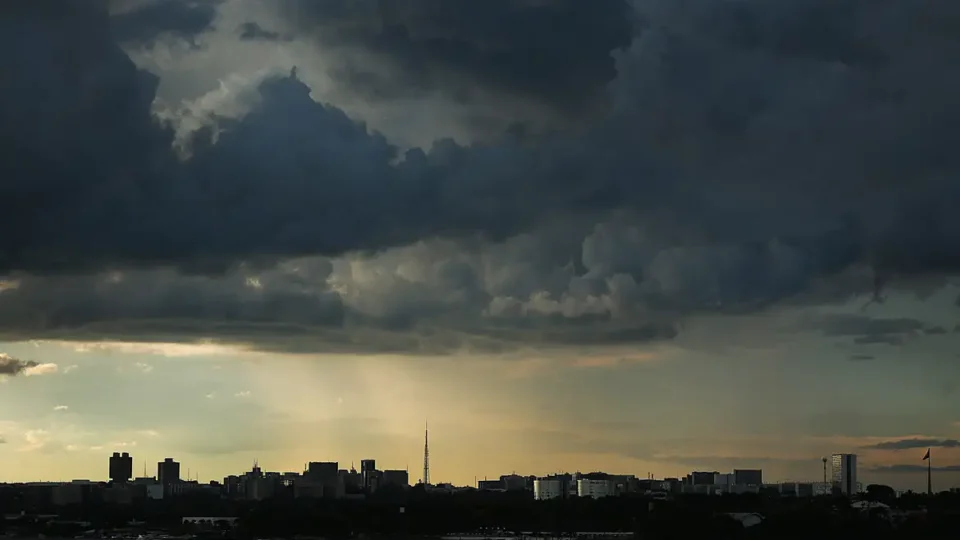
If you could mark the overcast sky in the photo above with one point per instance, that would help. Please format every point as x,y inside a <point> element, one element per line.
<point>632,236</point>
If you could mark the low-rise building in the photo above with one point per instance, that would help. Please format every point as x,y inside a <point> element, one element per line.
<point>395,478</point>
<point>515,482</point>
<point>490,485</point>
<point>748,477</point>
<point>724,480</point>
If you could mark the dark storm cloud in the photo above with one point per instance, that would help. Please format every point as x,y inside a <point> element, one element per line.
<point>894,340</point>
<point>861,357</point>
<point>853,325</point>
<point>912,444</point>
<point>751,150</point>
<point>82,151</point>
<point>296,177</point>
<point>870,330</point>
<point>14,366</point>
<point>558,51</point>
<point>252,31</point>
<point>142,22</point>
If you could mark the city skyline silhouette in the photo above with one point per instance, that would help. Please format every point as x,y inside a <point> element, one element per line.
<point>633,236</point>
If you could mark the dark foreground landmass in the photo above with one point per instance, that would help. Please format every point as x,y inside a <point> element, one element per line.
<point>486,515</point>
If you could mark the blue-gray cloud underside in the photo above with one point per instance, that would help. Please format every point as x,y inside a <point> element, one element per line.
<point>865,330</point>
<point>741,153</point>
<point>912,444</point>
<point>905,468</point>
<point>141,22</point>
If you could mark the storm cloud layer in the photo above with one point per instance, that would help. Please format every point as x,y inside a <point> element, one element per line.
<point>744,152</point>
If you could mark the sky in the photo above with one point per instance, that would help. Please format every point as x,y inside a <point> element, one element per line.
<point>647,236</point>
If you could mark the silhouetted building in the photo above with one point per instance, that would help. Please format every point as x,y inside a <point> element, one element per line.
<point>121,467</point>
<point>395,477</point>
<point>258,487</point>
<point>288,479</point>
<point>322,471</point>
<point>622,482</point>
<point>701,478</point>
<point>155,491</point>
<point>374,479</point>
<point>515,482</point>
<point>233,486</point>
<point>351,480</point>
<point>646,485</point>
<point>748,477</point>
<point>168,472</point>
<point>121,493</point>
<point>322,478</point>
<point>490,485</point>
<point>724,480</point>
<point>71,493</point>
<point>845,473</point>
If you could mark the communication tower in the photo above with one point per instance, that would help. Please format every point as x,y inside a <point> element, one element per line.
<point>426,455</point>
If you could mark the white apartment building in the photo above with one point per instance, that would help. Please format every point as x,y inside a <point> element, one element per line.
<point>596,489</point>
<point>547,488</point>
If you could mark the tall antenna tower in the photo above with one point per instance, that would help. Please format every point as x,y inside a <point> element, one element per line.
<point>824,471</point>
<point>426,454</point>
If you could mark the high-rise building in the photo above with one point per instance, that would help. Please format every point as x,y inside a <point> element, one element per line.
<point>323,471</point>
<point>121,467</point>
<point>168,471</point>
<point>368,473</point>
<point>845,473</point>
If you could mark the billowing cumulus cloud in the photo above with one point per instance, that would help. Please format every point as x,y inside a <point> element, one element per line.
<point>745,152</point>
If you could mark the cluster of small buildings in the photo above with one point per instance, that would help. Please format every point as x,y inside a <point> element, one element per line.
<point>843,480</point>
<point>324,479</point>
